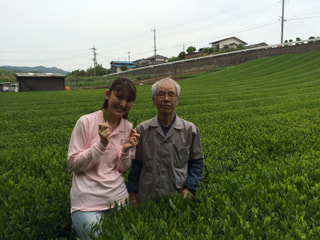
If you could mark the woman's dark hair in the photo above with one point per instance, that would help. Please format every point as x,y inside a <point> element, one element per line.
<point>122,85</point>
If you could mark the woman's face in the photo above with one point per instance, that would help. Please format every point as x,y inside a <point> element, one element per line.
<point>119,103</point>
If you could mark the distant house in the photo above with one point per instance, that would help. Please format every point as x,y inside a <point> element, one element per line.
<point>117,65</point>
<point>158,59</point>
<point>196,54</point>
<point>227,43</point>
<point>262,44</point>
<point>40,81</point>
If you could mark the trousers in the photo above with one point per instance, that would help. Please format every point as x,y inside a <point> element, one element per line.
<point>83,222</point>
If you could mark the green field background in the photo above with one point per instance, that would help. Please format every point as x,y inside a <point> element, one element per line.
<point>260,130</point>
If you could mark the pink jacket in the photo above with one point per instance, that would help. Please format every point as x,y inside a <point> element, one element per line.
<point>97,171</point>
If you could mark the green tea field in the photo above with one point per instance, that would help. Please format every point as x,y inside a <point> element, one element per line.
<point>260,130</point>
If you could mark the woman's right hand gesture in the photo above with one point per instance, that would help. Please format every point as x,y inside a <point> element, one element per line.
<point>104,133</point>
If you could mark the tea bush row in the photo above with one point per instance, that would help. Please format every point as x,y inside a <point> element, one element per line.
<point>260,130</point>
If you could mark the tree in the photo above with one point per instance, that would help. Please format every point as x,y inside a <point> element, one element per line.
<point>90,71</point>
<point>173,59</point>
<point>100,71</point>
<point>181,55</point>
<point>191,49</point>
<point>206,49</point>
<point>124,68</point>
<point>78,73</point>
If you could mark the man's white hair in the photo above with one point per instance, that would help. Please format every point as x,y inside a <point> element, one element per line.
<point>156,85</point>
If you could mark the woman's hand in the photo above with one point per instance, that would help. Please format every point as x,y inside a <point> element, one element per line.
<point>104,133</point>
<point>131,141</point>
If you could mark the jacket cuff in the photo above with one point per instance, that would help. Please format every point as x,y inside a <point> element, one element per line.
<point>125,155</point>
<point>100,147</point>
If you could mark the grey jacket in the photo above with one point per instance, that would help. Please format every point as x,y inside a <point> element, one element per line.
<point>168,163</point>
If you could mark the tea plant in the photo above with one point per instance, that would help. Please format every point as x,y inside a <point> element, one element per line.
<point>260,130</point>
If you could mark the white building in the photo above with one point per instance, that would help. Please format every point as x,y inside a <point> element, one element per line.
<point>227,43</point>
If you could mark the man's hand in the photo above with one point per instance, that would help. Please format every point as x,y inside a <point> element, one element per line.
<point>185,193</point>
<point>133,200</point>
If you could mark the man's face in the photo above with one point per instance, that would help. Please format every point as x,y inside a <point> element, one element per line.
<point>166,99</point>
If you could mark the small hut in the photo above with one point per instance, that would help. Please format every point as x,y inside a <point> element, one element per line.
<point>40,81</point>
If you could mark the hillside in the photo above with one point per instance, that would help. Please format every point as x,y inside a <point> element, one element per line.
<point>264,72</point>
<point>41,69</point>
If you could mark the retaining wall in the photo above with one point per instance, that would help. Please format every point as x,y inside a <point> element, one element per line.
<point>219,60</point>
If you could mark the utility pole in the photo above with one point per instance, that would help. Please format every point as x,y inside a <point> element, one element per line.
<point>129,56</point>
<point>282,21</point>
<point>154,43</point>
<point>94,60</point>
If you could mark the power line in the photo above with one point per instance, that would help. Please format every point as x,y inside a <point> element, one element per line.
<point>136,53</point>
<point>302,18</point>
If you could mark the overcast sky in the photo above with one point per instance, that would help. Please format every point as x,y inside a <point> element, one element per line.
<point>62,33</point>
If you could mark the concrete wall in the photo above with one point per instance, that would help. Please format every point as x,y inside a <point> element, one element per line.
<point>218,60</point>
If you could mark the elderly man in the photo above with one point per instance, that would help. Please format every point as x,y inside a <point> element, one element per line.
<point>169,155</point>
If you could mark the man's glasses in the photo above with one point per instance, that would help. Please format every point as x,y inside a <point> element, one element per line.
<point>163,94</point>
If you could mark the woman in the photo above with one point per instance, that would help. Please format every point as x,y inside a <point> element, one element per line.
<point>101,148</point>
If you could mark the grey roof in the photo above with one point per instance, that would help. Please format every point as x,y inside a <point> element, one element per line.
<point>39,75</point>
<point>158,56</point>
<point>243,42</point>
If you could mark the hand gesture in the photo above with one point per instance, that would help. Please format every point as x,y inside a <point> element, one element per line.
<point>131,141</point>
<point>104,133</point>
